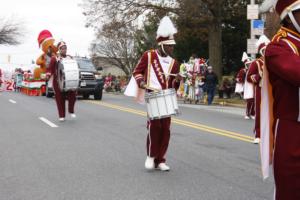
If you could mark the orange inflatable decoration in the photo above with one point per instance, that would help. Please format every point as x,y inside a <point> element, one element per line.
<point>46,43</point>
<point>46,40</point>
<point>37,73</point>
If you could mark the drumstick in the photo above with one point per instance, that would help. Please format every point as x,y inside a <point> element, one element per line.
<point>150,88</point>
<point>170,74</point>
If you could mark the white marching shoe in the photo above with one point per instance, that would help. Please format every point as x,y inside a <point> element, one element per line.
<point>252,117</point>
<point>149,163</point>
<point>62,119</point>
<point>256,141</point>
<point>73,115</point>
<point>247,117</point>
<point>163,167</point>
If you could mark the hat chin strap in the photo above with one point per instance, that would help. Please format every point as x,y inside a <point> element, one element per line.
<point>262,51</point>
<point>295,23</point>
<point>162,48</point>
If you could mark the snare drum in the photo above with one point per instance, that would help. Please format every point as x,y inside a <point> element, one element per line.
<point>161,104</point>
<point>68,75</point>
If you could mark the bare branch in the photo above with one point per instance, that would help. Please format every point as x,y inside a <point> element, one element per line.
<point>10,32</point>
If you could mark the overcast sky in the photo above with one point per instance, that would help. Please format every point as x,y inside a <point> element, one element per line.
<point>63,18</point>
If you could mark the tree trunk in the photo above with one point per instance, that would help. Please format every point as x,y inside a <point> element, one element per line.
<point>215,47</point>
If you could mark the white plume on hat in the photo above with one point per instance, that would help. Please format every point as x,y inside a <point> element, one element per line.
<point>267,5</point>
<point>275,3</point>
<point>245,57</point>
<point>262,40</point>
<point>166,29</point>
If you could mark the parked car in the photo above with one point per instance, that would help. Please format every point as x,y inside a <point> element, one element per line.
<point>90,80</point>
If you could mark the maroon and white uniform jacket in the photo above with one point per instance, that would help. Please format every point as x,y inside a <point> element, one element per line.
<point>255,72</point>
<point>154,70</point>
<point>241,75</point>
<point>282,61</point>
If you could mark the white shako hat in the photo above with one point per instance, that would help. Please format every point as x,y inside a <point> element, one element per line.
<point>286,8</point>
<point>245,58</point>
<point>165,32</point>
<point>262,43</point>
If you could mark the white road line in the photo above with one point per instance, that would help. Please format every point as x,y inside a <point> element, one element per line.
<point>46,121</point>
<point>12,101</point>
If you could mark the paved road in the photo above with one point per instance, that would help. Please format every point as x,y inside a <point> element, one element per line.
<point>101,154</point>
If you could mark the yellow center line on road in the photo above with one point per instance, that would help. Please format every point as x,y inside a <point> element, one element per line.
<point>197,126</point>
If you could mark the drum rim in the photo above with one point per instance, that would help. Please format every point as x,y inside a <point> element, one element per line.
<point>169,91</point>
<point>177,112</point>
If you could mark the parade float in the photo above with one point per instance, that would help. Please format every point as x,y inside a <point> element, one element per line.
<point>7,81</point>
<point>34,84</point>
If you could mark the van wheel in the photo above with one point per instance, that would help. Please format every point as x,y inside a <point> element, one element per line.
<point>48,94</point>
<point>86,96</point>
<point>98,94</point>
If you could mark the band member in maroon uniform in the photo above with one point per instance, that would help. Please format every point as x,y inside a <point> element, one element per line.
<point>60,97</point>
<point>240,80</point>
<point>254,76</point>
<point>248,89</point>
<point>152,72</point>
<point>282,62</point>
<point>68,95</point>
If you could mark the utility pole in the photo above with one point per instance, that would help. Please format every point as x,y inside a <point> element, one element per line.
<point>252,14</point>
<point>252,36</point>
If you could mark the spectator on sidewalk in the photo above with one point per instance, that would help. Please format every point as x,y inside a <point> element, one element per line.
<point>199,84</point>
<point>225,88</point>
<point>211,81</point>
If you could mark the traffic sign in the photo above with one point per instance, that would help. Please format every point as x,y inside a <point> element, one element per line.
<point>252,11</point>
<point>258,27</point>
<point>251,46</point>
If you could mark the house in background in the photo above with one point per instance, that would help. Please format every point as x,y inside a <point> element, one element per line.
<point>107,66</point>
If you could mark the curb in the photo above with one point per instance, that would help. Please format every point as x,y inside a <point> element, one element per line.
<point>217,103</point>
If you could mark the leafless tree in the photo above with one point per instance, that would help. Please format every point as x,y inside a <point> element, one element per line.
<point>209,14</point>
<point>117,46</point>
<point>10,32</point>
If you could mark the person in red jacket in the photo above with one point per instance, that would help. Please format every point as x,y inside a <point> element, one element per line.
<point>254,76</point>
<point>282,60</point>
<point>152,72</point>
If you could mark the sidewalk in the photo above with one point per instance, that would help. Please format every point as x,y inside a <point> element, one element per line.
<point>229,106</point>
<point>233,102</point>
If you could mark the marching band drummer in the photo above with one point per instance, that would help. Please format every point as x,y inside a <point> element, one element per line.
<point>152,72</point>
<point>70,95</point>
<point>60,97</point>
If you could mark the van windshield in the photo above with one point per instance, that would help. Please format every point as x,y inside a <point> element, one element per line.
<point>85,64</point>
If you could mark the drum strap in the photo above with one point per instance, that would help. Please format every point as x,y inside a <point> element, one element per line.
<point>149,68</point>
<point>170,70</point>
